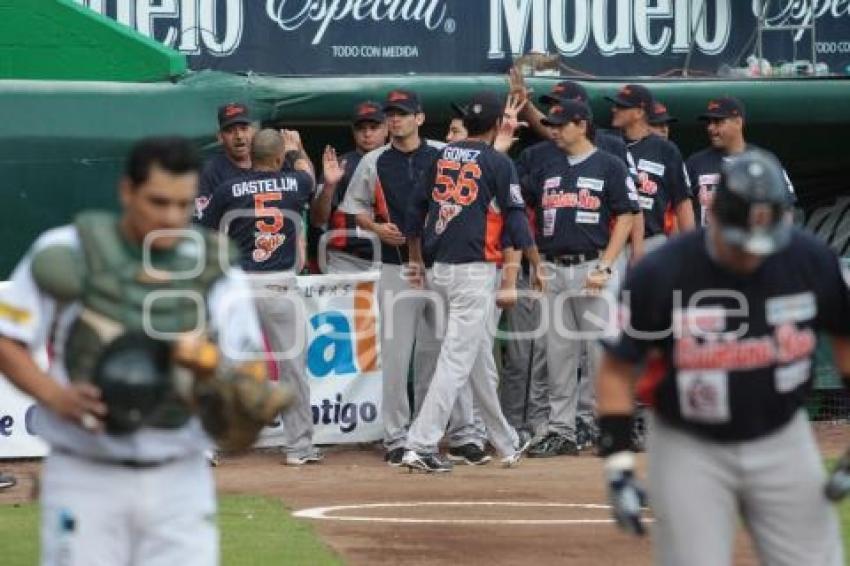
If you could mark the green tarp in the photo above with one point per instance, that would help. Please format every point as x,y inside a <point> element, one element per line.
<point>61,40</point>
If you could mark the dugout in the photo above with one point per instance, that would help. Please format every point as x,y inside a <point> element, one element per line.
<point>76,89</point>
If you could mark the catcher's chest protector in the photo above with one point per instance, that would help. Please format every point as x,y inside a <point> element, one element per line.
<point>121,294</point>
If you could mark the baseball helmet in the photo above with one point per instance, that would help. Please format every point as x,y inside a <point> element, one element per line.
<point>750,203</point>
<point>134,378</point>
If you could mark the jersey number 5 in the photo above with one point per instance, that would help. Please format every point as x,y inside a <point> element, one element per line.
<point>463,188</point>
<point>271,217</point>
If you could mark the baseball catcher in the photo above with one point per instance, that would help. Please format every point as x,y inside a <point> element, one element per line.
<point>147,381</point>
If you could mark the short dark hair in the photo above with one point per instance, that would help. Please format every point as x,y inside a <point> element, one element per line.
<point>174,154</point>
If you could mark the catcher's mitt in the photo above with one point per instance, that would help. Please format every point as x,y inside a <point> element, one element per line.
<point>234,402</point>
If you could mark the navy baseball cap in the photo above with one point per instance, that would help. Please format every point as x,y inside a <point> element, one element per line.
<point>724,107</point>
<point>565,90</point>
<point>368,111</point>
<point>659,115</point>
<point>233,113</point>
<point>405,100</point>
<point>567,111</point>
<point>633,96</point>
<point>484,109</point>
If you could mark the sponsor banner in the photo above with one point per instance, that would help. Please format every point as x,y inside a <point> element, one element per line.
<point>17,440</point>
<point>596,37</point>
<point>343,361</point>
<point>343,369</point>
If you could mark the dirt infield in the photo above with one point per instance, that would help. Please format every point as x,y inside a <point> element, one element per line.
<point>468,534</point>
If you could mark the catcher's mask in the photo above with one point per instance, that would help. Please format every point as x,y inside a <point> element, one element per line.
<point>133,374</point>
<point>750,203</point>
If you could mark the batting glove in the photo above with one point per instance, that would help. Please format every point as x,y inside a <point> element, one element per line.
<point>839,482</point>
<point>626,496</point>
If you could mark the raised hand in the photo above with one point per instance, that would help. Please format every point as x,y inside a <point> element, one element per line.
<point>333,169</point>
<point>291,140</point>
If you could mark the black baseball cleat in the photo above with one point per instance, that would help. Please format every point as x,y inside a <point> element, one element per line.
<point>393,457</point>
<point>469,454</point>
<point>425,462</point>
<point>552,445</point>
<point>585,436</point>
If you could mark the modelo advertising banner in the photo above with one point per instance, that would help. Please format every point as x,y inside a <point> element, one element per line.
<point>593,37</point>
<point>342,362</point>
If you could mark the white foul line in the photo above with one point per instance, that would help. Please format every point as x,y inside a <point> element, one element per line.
<point>324,513</point>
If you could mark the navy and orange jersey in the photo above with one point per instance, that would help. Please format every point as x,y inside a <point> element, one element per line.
<point>576,201</point>
<point>661,179</point>
<point>535,155</point>
<point>216,170</point>
<point>472,207</point>
<point>704,170</point>
<point>734,363</point>
<point>347,241</point>
<point>266,237</point>
<point>382,184</point>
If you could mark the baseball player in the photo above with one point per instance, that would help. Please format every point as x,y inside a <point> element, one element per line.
<point>378,196</point>
<point>474,196</point>
<point>562,91</point>
<point>145,496</point>
<point>457,132</point>
<point>724,121</point>
<point>585,205</point>
<point>660,120</point>
<point>348,253</point>
<point>732,313</point>
<point>661,176</point>
<point>532,159</point>
<point>260,211</point>
<point>235,130</point>
<point>466,431</point>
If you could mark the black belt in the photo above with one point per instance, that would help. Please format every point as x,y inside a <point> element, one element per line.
<point>568,260</point>
<point>134,464</point>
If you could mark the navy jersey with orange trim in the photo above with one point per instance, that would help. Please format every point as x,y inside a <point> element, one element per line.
<point>732,354</point>
<point>704,170</point>
<point>347,242</point>
<point>661,179</point>
<point>577,200</point>
<point>472,190</point>
<point>265,235</point>
<point>382,186</point>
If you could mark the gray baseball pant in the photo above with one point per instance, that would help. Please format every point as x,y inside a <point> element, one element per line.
<point>699,488</point>
<point>578,320</point>
<point>586,411</point>
<point>342,262</point>
<point>282,317</point>
<point>465,424</point>
<point>401,307</point>
<point>467,291</point>
<point>523,391</point>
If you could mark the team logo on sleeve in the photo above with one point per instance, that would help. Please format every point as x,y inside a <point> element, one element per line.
<point>516,195</point>
<point>265,245</point>
<point>201,204</point>
<point>448,212</point>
